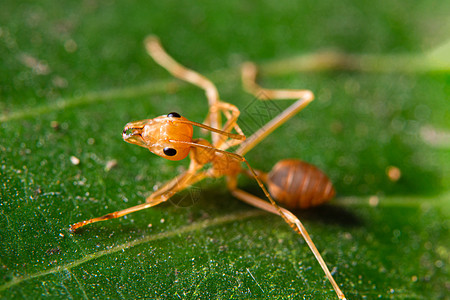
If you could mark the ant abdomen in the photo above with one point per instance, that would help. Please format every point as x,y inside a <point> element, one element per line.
<point>297,184</point>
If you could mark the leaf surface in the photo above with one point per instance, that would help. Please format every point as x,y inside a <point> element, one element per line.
<point>73,74</point>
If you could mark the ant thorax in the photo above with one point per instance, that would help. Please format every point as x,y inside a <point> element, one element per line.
<point>222,164</point>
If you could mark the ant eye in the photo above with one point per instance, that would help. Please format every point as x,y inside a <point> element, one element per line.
<point>169,151</point>
<point>173,115</point>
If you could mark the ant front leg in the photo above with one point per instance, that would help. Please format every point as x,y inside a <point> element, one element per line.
<point>157,52</point>
<point>216,106</point>
<point>120,213</point>
<point>163,194</point>
<point>249,71</point>
<point>175,185</point>
<point>232,113</point>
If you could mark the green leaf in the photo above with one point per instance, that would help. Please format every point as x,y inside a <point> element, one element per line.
<point>73,74</point>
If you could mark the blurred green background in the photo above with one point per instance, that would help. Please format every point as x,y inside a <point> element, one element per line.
<point>74,73</point>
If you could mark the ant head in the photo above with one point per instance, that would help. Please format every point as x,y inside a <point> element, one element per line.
<point>165,136</point>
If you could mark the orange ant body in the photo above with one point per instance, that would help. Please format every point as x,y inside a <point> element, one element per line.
<point>292,182</point>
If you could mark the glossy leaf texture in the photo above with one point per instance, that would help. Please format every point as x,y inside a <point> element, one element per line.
<point>74,73</point>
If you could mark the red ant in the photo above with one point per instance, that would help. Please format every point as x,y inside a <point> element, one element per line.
<point>292,182</point>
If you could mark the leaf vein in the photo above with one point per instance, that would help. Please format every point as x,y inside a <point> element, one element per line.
<point>182,230</point>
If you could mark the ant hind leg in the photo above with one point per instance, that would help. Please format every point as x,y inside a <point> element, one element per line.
<point>292,221</point>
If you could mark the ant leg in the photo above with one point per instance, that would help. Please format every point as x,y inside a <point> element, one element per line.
<point>249,72</point>
<point>156,198</point>
<point>232,113</point>
<point>291,219</point>
<point>163,194</point>
<point>117,214</point>
<point>304,97</point>
<point>176,184</point>
<point>157,52</point>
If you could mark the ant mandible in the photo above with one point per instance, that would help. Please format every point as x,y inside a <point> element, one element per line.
<point>292,182</point>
